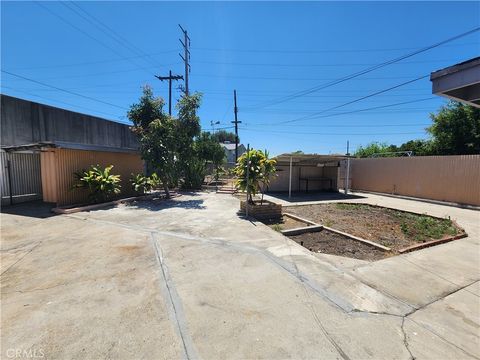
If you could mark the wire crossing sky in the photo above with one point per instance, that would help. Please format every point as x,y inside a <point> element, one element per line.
<point>309,75</point>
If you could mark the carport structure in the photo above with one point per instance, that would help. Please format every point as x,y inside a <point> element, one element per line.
<point>307,172</point>
<point>460,82</point>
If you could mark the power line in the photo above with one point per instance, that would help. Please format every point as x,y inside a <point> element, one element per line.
<point>354,101</point>
<point>368,70</point>
<point>63,90</point>
<point>86,63</point>
<point>111,33</point>
<point>316,65</point>
<point>355,111</point>
<point>319,51</point>
<point>63,102</point>
<point>89,36</point>
<point>331,134</point>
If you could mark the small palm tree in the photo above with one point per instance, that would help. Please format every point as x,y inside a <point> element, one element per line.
<point>259,168</point>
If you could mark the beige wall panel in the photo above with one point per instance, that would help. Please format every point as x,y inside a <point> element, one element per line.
<point>445,178</point>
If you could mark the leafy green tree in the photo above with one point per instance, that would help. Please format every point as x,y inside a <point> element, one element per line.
<point>208,149</point>
<point>222,136</point>
<point>259,167</point>
<point>456,129</point>
<point>419,147</point>
<point>372,148</point>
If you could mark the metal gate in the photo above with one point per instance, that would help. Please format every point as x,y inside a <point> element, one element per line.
<point>20,177</point>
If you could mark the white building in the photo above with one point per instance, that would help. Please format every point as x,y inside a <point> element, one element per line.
<point>230,152</point>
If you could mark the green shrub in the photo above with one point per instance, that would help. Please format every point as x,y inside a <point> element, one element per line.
<point>100,184</point>
<point>195,173</point>
<point>142,184</point>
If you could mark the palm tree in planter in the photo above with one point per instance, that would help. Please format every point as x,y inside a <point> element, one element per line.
<point>260,171</point>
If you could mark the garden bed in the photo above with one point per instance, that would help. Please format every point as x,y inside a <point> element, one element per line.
<point>398,230</point>
<point>284,223</point>
<point>328,242</point>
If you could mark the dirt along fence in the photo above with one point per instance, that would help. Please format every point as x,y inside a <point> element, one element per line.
<point>453,178</point>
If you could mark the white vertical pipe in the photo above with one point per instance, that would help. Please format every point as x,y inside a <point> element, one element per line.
<point>290,180</point>
<point>348,176</point>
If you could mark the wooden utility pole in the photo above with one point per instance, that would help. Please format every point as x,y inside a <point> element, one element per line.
<point>236,122</point>
<point>170,77</point>
<point>186,56</point>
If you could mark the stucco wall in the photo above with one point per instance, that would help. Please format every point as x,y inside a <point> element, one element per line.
<point>26,122</point>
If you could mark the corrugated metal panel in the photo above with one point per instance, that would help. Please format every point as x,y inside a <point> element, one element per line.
<point>25,173</point>
<point>446,178</point>
<point>66,162</point>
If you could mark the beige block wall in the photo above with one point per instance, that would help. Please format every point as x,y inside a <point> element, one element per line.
<point>59,165</point>
<point>445,178</point>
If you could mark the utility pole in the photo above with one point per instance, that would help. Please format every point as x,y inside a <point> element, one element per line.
<point>186,55</point>
<point>236,122</point>
<point>170,77</point>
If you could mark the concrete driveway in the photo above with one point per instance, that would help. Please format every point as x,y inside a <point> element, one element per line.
<point>188,278</point>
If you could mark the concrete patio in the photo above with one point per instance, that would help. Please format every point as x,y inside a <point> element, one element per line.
<point>189,278</point>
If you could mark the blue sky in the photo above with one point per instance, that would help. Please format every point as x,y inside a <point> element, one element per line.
<point>264,50</point>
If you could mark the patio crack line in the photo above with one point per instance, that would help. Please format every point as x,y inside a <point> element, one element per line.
<point>286,266</point>
<point>441,277</point>
<point>405,339</point>
<point>174,303</point>
<point>440,298</point>
<point>442,338</point>
<point>16,262</point>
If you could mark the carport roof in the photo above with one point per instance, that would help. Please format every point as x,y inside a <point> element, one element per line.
<point>66,145</point>
<point>309,159</point>
<point>460,82</point>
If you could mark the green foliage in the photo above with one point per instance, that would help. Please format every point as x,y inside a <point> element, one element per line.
<point>456,130</point>
<point>222,136</point>
<point>205,149</point>
<point>194,174</point>
<point>372,148</point>
<point>423,227</point>
<point>260,171</point>
<point>208,149</point>
<point>100,183</point>
<point>142,184</point>
<point>166,143</point>
<point>277,227</point>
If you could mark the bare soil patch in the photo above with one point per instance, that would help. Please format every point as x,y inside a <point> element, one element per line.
<point>392,228</point>
<point>328,242</point>
<point>285,223</point>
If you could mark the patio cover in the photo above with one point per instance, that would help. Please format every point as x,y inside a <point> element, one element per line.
<point>460,82</point>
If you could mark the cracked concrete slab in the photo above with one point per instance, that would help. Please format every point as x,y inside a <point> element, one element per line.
<point>454,319</point>
<point>189,278</point>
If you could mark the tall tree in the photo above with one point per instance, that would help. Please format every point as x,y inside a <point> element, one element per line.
<point>456,129</point>
<point>156,132</point>
<point>222,136</point>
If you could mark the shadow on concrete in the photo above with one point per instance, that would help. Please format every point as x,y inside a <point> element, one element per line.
<point>161,204</point>
<point>314,196</point>
<point>36,209</point>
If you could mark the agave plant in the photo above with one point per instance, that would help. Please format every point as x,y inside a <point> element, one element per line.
<point>99,182</point>
<point>259,168</point>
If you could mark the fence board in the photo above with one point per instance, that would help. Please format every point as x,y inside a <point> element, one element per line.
<point>445,178</point>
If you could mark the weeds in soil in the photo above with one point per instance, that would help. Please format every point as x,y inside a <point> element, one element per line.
<point>277,227</point>
<point>343,206</point>
<point>424,227</point>
<point>328,223</point>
